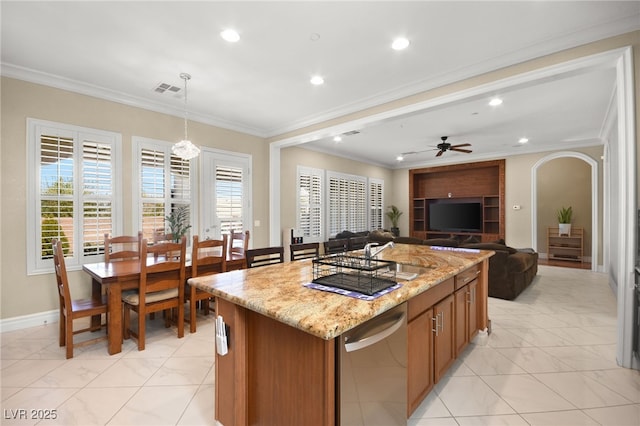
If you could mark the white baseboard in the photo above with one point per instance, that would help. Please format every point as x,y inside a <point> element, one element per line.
<point>31,320</point>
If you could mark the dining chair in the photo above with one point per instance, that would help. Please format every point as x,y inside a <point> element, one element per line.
<point>161,288</point>
<point>238,245</point>
<point>358,243</point>
<point>207,257</point>
<point>340,245</point>
<point>74,309</point>
<point>122,247</point>
<point>265,256</point>
<point>304,251</point>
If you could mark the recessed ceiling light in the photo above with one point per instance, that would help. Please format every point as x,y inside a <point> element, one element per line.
<point>495,102</point>
<point>230,35</point>
<point>317,80</point>
<point>337,138</point>
<point>400,43</point>
<point>523,140</point>
<point>399,158</point>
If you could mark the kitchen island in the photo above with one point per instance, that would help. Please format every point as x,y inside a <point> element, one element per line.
<point>281,364</point>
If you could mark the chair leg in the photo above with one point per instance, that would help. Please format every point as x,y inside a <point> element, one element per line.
<point>126,323</point>
<point>192,309</point>
<point>69,336</point>
<point>141,331</point>
<point>62,327</point>
<point>181,320</point>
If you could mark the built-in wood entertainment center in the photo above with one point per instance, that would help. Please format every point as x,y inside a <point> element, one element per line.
<point>466,184</point>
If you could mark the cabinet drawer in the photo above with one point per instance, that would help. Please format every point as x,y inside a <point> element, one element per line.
<point>425,300</point>
<point>466,276</point>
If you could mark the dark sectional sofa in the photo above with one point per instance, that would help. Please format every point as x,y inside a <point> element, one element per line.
<point>510,270</point>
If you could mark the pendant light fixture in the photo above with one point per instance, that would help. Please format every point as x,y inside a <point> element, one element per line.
<point>185,149</point>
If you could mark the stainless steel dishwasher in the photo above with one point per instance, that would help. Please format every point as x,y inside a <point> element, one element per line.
<point>372,386</point>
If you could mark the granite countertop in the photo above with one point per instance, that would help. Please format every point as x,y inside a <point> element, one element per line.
<point>277,291</point>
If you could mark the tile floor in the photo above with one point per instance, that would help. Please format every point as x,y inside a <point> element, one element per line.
<point>550,360</point>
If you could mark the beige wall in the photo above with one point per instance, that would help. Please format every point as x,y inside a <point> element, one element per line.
<point>22,294</point>
<point>518,192</point>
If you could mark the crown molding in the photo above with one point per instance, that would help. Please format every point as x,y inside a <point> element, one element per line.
<point>75,86</point>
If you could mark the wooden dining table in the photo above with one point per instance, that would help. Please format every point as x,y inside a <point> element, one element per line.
<point>116,277</point>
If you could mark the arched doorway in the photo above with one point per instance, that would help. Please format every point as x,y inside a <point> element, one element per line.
<point>596,230</point>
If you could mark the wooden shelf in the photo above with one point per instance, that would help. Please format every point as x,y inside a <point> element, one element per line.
<point>565,247</point>
<point>482,182</point>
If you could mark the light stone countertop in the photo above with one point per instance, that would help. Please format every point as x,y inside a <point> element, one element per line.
<point>277,291</point>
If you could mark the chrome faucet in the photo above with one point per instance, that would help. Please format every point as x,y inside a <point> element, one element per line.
<point>369,253</point>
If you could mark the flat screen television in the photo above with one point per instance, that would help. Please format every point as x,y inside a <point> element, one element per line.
<point>455,217</point>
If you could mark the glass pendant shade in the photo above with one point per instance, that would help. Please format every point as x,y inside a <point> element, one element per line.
<point>185,149</point>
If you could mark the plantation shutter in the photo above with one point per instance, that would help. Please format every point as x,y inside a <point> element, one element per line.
<point>310,203</point>
<point>229,192</point>
<point>376,204</point>
<point>71,197</point>
<point>152,192</point>
<point>347,203</point>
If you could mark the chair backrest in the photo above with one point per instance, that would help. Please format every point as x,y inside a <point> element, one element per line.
<point>61,276</point>
<point>238,242</point>
<point>358,243</point>
<point>265,256</point>
<point>208,256</point>
<point>161,237</point>
<point>122,247</point>
<point>304,251</point>
<point>162,272</point>
<point>336,246</point>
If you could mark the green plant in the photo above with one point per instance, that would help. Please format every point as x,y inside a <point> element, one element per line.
<point>564,215</point>
<point>393,214</point>
<point>178,222</point>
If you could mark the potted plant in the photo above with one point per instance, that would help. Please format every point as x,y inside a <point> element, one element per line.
<point>394,214</point>
<point>178,222</point>
<point>564,220</point>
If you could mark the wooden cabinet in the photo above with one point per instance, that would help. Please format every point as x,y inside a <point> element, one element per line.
<point>420,359</point>
<point>482,182</point>
<point>466,315</point>
<point>443,340</point>
<point>565,247</point>
<point>441,322</point>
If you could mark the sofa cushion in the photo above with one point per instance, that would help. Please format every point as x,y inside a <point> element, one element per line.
<point>491,246</point>
<point>520,261</point>
<point>381,235</point>
<point>349,234</point>
<point>408,240</point>
<point>443,242</point>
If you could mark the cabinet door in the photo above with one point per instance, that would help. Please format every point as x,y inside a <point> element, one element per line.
<point>462,323</point>
<point>443,342</point>
<point>472,311</point>
<point>420,359</point>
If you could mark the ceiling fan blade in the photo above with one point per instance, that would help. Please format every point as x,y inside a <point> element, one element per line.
<point>461,150</point>
<point>439,153</point>
<point>460,145</point>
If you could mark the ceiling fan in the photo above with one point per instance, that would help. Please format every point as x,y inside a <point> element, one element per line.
<point>442,147</point>
<point>446,146</point>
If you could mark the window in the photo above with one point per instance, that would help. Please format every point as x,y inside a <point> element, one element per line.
<point>229,205</point>
<point>163,183</point>
<point>309,203</point>
<point>73,178</point>
<point>347,196</point>
<point>376,204</point>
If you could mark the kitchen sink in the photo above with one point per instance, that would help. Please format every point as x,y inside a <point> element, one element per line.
<point>405,272</point>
